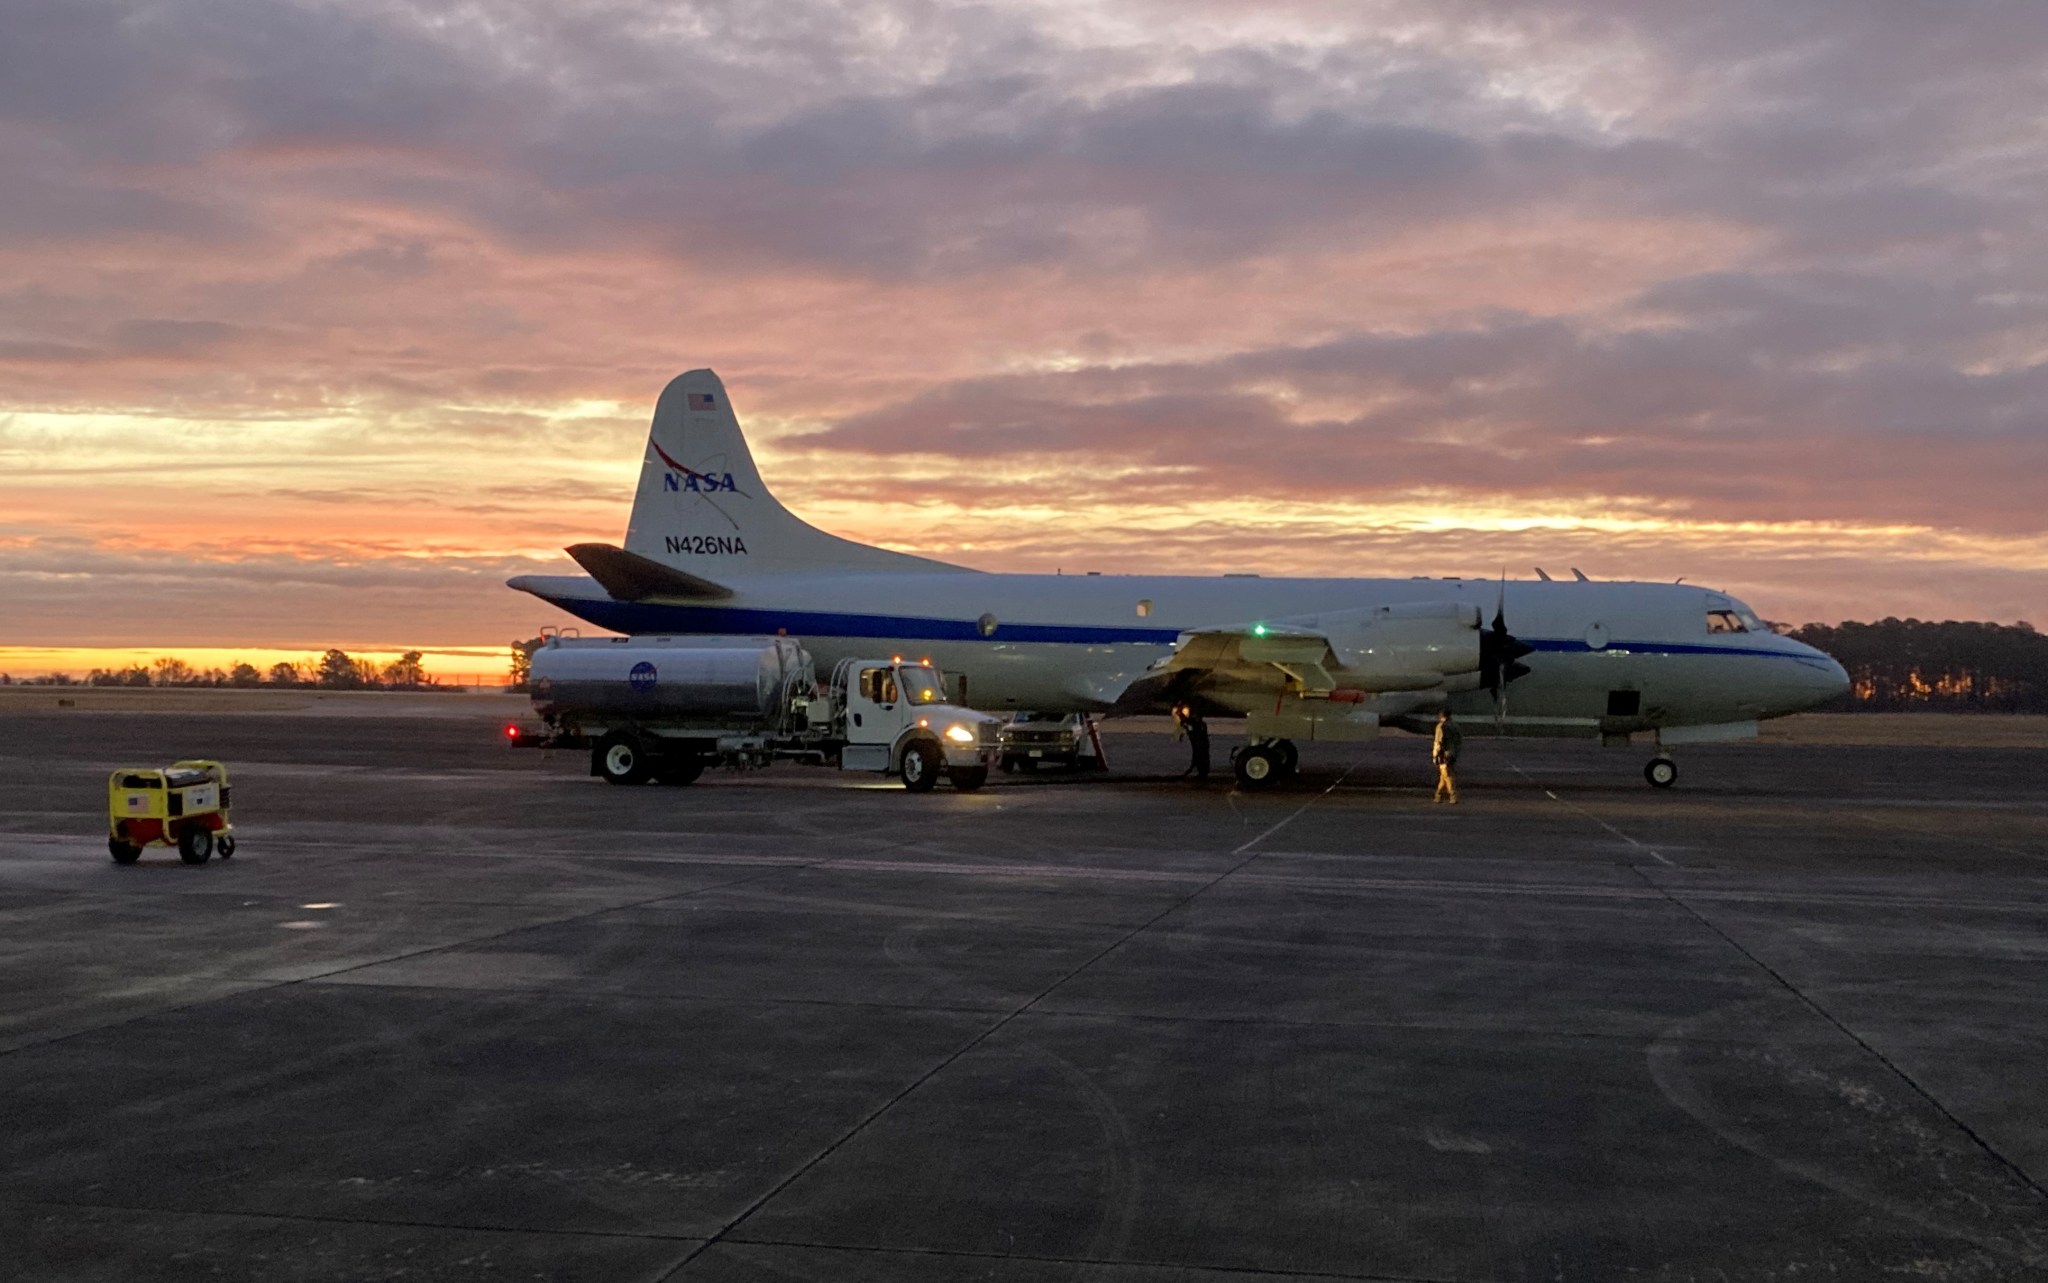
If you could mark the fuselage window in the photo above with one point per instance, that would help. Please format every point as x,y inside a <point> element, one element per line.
<point>1724,621</point>
<point>1144,608</point>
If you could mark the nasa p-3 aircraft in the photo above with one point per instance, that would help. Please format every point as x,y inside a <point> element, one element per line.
<point>709,551</point>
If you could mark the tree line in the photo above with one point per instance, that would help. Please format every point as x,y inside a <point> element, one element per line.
<point>334,670</point>
<point>1902,665</point>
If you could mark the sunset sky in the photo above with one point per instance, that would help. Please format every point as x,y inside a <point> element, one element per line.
<point>317,321</point>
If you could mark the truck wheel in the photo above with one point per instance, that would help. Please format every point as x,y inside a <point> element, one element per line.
<point>123,852</point>
<point>1290,756</point>
<point>683,769</point>
<point>968,778</point>
<point>1257,767</point>
<point>619,759</point>
<point>195,845</point>
<point>224,847</point>
<point>921,766</point>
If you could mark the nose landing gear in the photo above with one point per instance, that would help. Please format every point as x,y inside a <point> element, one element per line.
<point>1661,772</point>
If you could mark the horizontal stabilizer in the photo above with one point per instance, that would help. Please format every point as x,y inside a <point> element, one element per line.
<point>628,576</point>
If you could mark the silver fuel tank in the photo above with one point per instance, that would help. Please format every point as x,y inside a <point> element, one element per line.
<point>664,679</point>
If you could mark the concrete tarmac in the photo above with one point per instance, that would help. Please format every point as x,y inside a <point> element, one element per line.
<point>459,1012</point>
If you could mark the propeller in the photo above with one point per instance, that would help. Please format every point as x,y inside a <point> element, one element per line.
<point>1499,654</point>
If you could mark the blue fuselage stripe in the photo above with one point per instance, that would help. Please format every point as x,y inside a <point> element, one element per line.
<point>642,617</point>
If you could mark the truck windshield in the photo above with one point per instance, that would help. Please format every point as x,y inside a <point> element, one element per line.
<point>923,685</point>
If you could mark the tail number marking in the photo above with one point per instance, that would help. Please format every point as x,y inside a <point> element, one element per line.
<point>707,545</point>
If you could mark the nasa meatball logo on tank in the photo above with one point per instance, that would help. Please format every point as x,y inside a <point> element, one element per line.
<point>642,677</point>
<point>711,486</point>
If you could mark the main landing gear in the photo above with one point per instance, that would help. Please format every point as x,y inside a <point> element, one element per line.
<point>1264,764</point>
<point>1661,772</point>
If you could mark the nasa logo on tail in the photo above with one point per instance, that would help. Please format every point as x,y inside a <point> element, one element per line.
<point>705,486</point>
<point>681,477</point>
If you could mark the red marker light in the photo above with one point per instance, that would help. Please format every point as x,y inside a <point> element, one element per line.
<point>512,732</point>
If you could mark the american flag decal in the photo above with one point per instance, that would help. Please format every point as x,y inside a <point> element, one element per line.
<point>702,401</point>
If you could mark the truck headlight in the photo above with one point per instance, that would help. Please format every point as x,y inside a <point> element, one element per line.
<point>959,734</point>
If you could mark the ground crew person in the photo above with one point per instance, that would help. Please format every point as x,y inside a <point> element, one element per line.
<point>1443,751</point>
<point>1192,725</point>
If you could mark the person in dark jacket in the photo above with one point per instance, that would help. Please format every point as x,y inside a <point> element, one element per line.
<point>1191,724</point>
<point>1443,751</point>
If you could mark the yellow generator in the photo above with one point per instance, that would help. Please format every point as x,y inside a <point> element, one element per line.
<point>184,805</point>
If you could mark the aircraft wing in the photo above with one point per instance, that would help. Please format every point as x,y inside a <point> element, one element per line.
<point>1415,646</point>
<point>1258,654</point>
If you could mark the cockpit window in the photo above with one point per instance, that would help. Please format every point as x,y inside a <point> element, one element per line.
<point>1726,621</point>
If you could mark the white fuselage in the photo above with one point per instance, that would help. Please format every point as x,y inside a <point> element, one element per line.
<point>1609,658</point>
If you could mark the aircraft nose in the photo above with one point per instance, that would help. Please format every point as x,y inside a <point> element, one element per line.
<point>1821,677</point>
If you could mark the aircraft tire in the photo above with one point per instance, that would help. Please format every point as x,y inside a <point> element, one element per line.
<point>922,766</point>
<point>619,759</point>
<point>968,778</point>
<point>195,845</point>
<point>1661,772</point>
<point>1257,767</point>
<point>123,852</point>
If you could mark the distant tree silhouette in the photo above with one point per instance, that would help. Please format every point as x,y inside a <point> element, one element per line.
<point>337,671</point>
<point>522,662</point>
<point>1903,664</point>
<point>405,672</point>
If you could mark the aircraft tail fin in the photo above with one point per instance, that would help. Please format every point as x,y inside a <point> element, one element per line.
<point>702,507</point>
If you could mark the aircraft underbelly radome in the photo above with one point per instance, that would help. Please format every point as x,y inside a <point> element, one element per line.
<point>710,552</point>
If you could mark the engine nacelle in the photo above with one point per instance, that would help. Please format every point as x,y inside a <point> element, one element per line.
<point>1425,645</point>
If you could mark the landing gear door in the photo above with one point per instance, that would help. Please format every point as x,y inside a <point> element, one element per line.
<point>873,705</point>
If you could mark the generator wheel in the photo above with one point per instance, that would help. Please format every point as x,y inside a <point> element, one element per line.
<point>619,759</point>
<point>123,852</point>
<point>224,846</point>
<point>922,765</point>
<point>968,778</point>
<point>195,845</point>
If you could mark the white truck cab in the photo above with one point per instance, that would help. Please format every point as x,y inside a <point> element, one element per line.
<point>893,716</point>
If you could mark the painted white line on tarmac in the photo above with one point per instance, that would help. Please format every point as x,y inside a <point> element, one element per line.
<point>1647,850</point>
<point>1296,813</point>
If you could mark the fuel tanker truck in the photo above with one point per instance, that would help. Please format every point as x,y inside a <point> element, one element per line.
<point>665,708</point>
